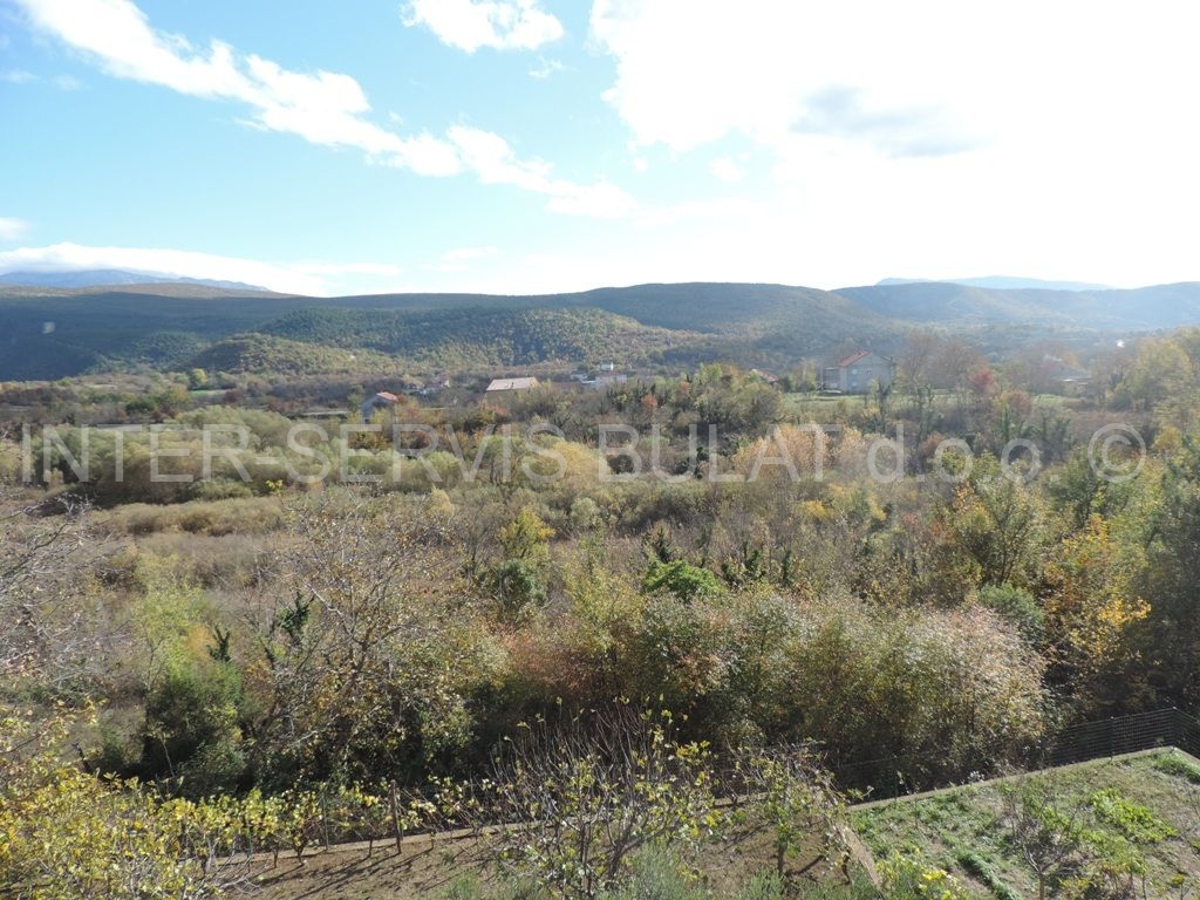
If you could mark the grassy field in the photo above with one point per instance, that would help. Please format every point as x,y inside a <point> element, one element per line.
<point>1133,820</point>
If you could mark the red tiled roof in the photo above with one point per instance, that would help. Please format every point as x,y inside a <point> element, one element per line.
<point>390,398</point>
<point>852,359</point>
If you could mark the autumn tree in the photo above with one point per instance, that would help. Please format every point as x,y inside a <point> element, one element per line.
<point>1000,524</point>
<point>364,661</point>
<point>67,835</point>
<point>1091,606</point>
<point>587,795</point>
<point>50,628</point>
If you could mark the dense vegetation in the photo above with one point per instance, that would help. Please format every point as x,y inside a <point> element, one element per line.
<point>54,333</point>
<point>945,573</point>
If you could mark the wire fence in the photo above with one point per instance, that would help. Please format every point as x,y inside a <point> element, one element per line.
<point>301,820</point>
<point>895,776</point>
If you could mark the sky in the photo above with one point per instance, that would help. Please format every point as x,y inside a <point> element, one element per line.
<point>526,146</point>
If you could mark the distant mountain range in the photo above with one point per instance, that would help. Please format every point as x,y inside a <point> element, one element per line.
<point>112,277</point>
<point>1003,283</point>
<point>52,332</point>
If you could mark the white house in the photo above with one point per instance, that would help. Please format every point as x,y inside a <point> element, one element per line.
<point>511,384</point>
<point>857,372</point>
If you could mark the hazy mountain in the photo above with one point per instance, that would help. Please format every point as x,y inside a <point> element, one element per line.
<point>112,277</point>
<point>960,305</point>
<point>1003,282</point>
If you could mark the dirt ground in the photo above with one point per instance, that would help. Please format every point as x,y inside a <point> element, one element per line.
<point>429,868</point>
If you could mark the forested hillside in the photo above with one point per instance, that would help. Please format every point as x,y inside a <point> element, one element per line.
<point>53,333</point>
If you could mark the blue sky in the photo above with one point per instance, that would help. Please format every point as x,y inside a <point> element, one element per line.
<point>534,145</point>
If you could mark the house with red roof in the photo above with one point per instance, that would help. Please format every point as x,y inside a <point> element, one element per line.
<point>376,402</point>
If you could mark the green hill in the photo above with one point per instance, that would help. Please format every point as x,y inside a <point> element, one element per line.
<point>266,354</point>
<point>479,335</point>
<point>50,333</point>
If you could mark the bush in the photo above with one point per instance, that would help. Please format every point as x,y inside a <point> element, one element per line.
<point>658,874</point>
<point>70,836</point>
<point>681,579</point>
<point>1133,820</point>
<point>1017,607</point>
<point>191,728</point>
<point>1177,766</point>
<point>906,878</point>
<point>982,871</point>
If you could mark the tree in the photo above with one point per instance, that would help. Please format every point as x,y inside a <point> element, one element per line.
<point>1091,610</point>
<point>799,803</point>
<point>519,579</point>
<point>999,523</point>
<point>1170,521</point>
<point>914,366</point>
<point>49,632</point>
<point>67,835</point>
<point>1047,835</point>
<point>364,664</point>
<point>589,795</point>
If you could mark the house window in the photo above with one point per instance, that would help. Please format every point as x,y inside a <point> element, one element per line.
<point>854,371</point>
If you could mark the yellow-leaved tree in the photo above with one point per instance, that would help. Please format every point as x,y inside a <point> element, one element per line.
<point>1091,604</point>
<point>67,835</point>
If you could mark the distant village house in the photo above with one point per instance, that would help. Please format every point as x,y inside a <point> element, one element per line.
<point>765,375</point>
<point>376,402</point>
<point>856,373</point>
<point>499,385</point>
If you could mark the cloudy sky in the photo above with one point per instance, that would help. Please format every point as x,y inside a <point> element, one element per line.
<point>546,145</point>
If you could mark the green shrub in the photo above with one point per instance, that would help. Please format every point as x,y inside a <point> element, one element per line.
<point>658,874</point>
<point>1177,766</point>
<point>763,886</point>
<point>1017,607</point>
<point>685,581</point>
<point>1133,820</point>
<point>191,728</point>
<point>983,872</point>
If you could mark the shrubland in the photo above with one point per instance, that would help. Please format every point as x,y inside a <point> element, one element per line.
<point>900,591</point>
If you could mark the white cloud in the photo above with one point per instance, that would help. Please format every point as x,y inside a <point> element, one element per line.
<point>325,108</point>
<point>933,137</point>
<point>471,24</point>
<point>298,278</point>
<point>12,229</point>
<point>545,68</point>
<point>766,68</point>
<point>21,76</point>
<point>726,169</point>
<point>599,201</point>
<point>726,210</point>
<point>905,79</point>
<point>493,160</point>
